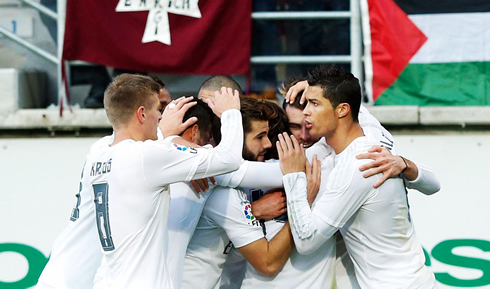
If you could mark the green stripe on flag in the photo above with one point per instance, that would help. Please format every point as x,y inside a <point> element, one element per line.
<point>440,84</point>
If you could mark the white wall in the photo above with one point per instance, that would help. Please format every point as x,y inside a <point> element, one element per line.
<point>39,179</point>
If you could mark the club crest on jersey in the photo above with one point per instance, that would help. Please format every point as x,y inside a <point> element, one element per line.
<point>185,149</point>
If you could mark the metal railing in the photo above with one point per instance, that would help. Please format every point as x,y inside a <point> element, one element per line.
<point>60,19</point>
<point>355,57</point>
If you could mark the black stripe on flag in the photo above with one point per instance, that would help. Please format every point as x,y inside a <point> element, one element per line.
<point>411,7</point>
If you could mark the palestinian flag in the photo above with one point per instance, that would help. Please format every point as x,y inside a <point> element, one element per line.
<point>427,53</point>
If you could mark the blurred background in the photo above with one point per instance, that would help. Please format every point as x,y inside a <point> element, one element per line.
<point>424,68</point>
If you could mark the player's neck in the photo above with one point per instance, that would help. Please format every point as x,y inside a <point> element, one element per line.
<point>126,133</point>
<point>344,135</point>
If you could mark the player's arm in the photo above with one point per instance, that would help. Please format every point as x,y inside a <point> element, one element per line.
<point>268,258</point>
<point>416,176</point>
<point>313,227</point>
<point>251,175</point>
<point>174,163</point>
<point>230,209</point>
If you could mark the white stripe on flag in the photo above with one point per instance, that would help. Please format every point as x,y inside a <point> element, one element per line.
<point>368,62</point>
<point>453,37</point>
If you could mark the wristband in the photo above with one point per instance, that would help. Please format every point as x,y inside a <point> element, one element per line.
<point>406,164</point>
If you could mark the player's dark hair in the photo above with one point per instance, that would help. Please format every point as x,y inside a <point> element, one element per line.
<point>158,80</point>
<point>215,83</point>
<point>125,94</point>
<point>278,123</point>
<point>286,85</point>
<point>206,119</point>
<point>339,86</point>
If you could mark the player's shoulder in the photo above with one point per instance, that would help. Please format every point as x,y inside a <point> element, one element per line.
<point>347,164</point>
<point>102,143</point>
<point>167,145</point>
<point>321,149</point>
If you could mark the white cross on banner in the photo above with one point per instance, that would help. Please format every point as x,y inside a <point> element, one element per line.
<point>157,26</point>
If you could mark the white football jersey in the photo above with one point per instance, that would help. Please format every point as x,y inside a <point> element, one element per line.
<point>130,185</point>
<point>185,209</point>
<point>375,223</point>
<point>76,253</point>
<point>225,221</point>
<point>316,270</point>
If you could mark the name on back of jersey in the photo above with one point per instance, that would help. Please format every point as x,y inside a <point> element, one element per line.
<point>99,168</point>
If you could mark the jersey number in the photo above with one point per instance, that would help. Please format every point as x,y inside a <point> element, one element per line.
<point>75,213</point>
<point>101,198</point>
<point>387,143</point>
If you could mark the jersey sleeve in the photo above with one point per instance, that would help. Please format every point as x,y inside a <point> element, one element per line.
<point>251,175</point>
<point>426,181</point>
<point>345,193</point>
<point>230,209</point>
<point>165,162</point>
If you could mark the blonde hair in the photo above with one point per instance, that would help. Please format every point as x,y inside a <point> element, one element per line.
<point>125,94</point>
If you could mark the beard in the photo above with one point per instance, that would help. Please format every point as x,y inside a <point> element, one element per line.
<point>250,156</point>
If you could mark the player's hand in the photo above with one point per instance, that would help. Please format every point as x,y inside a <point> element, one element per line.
<point>224,100</point>
<point>298,88</point>
<point>171,122</point>
<point>202,185</point>
<point>314,176</point>
<point>291,154</point>
<point>383,162</point>
<point>271,205</point>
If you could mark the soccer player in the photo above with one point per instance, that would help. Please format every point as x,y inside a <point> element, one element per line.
<point>130,177</point>
<point>374,222</point>
<point>294,111</point>
<point>186,203</point>
<point>227,217</point>
<point>76,252</point>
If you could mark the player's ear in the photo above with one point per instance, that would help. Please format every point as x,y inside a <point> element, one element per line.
<point>195,129</point>
<point>343,109</point>
<point>140,114</point>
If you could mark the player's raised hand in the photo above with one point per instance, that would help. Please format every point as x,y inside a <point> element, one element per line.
<point>291,154</point>
<point>314,176</point>
<point>224,100</point>
<point>171,122</point>
<point>298,88</point>
<point>383,162</point>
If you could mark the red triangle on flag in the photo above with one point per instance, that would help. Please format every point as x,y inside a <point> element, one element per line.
<point>395,40</point>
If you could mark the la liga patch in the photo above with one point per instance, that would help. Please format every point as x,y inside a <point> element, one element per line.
<point>185,148</point>
<point>248,212</point>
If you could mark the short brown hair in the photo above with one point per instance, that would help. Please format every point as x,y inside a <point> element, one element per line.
<point>125,94</point>
<point>254,109</point>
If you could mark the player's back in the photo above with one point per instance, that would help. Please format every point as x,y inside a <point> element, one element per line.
<point>379,236</point>
<point>131,214</point>
<point>184,213</point>
<point>76,253</point>
<point>207,250</point>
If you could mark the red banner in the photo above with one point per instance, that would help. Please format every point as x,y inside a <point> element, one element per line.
<point>161,36</point>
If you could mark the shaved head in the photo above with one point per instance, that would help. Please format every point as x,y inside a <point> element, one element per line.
<point>215,83</point>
